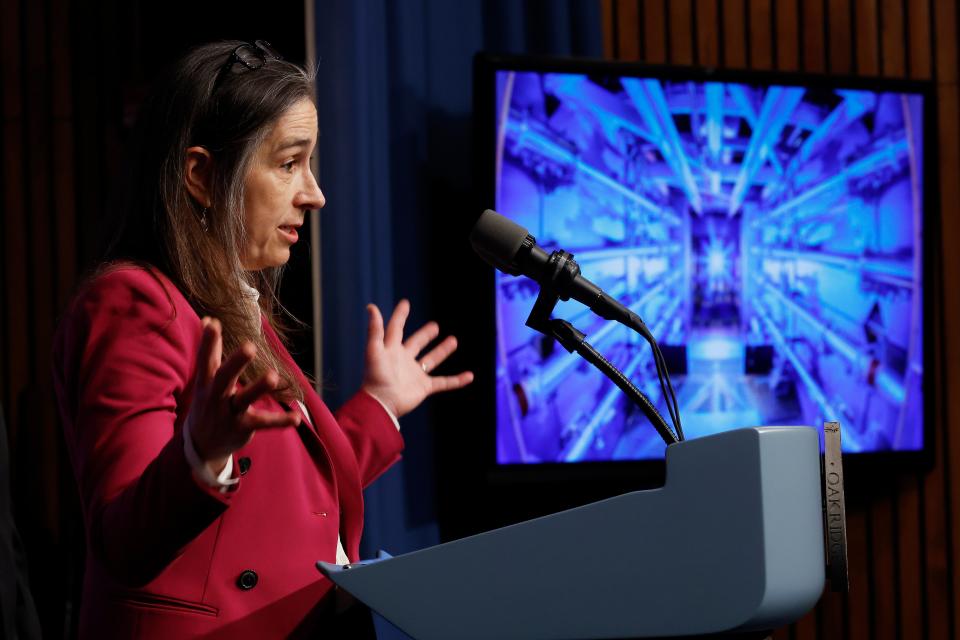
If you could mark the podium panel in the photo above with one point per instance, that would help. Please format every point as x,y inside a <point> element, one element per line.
<point>732,542</point>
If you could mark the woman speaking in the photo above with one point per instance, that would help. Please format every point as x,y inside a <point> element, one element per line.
<point>212,477</point>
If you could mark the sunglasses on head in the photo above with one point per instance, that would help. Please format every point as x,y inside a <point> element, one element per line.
<point>250,56</point>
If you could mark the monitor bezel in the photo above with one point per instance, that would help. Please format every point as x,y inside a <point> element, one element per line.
<point>648,473</point>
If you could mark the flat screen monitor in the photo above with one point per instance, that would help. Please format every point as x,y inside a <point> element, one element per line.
<point>769,229</point>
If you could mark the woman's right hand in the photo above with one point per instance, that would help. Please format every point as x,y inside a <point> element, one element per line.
<point>221,419</point>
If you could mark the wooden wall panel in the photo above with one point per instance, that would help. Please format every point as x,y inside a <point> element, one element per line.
<point>839,40</point>
<point>903,552</point>
<point>813,36</point>
<point>63,157</point>
<point>883,586</point>
<point>708,41</point>
<point>16,360</point>
<point>919,49</point>
<point>759,35</point>
<point>37,159</point>
<point>892,58</point>
<point>866,37</point>
<point>733,33</point>
<point>786,35</point>
<point>909,537</point>
<point>628,44</point>
<point>653,17</point>
<point>609,20</point>
<point>38,272</point>
<point>681,35</point>
<point>940,549</point>
<point>856,615</point>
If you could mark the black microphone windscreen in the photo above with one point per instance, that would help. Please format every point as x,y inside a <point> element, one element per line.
<point>498,240</point>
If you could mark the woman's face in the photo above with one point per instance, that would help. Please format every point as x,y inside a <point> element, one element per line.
<point>280,188</point>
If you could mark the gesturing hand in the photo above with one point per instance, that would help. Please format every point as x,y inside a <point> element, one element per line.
<point>220,419</point>
<point>393,373</point>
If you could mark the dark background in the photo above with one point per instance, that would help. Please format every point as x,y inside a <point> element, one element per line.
<point>396,146</point>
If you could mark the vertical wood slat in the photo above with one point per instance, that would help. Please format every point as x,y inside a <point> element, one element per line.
<point>761,39</point>
<point>883,597</point>
<point>866,32</point>
<point>5,74</point>
<point>734,34</point>
<point>940,575</point>
<point>36,158</point>
<point>608,28</point>
<point>935,547</point>
<point>857,606</point>
<point>936,600</point>
<point>945,41</point>
<point>788,45</point>
<point>892,60</point>
<point>63,155</point>
<point>918,44</point>
<point>681,32</point>
<point>40,274</point>
<point>910,557</point>
<point>813,44</point>
<point>708,41</point>
<point>654,31</point>
<point>840,45</point>
<point>627,31</point>
<point>15,240</point>
<point>88,109</point>
<point>951,349</point>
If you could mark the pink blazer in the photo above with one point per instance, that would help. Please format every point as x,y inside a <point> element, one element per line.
<point>169,557</point>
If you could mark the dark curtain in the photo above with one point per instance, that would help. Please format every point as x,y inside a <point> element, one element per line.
<point>394,98</point>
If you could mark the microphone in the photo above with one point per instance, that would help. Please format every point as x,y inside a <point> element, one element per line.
<point>507,246</point>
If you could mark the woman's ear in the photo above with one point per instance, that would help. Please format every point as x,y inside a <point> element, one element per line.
<point>198,167</point>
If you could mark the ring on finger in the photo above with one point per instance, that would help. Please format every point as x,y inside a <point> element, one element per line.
<point>423,365</point>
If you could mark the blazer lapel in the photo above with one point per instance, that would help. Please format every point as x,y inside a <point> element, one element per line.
<point>327,443</point>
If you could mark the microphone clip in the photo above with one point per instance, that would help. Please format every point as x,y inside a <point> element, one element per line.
<point>561,270</point>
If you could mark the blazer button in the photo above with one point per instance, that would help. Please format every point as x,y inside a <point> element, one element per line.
<point>244,465</point>
<point>248,579</point>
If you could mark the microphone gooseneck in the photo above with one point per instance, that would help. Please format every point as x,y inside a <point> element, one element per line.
<point>510,248</point>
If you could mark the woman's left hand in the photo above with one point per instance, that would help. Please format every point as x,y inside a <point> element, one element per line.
<point>394,373</point>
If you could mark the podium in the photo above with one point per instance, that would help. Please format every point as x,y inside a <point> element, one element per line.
<point>733,542</point>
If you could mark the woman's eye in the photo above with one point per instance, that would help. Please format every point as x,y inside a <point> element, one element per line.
<point>288,166</point>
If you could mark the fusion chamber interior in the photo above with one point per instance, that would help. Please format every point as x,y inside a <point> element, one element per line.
<point>769,236</point>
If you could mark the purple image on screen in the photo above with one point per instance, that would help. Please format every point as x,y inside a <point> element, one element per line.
<point>769,236</point>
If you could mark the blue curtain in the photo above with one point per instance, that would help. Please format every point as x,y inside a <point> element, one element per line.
<point>394,100</point>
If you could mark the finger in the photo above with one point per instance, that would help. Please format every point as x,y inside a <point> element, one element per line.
<point>374,328</point>
<point>216,349</point>
<point>204,373</point>
<point>255,419</point>
<point>421,337</point>
<point>449,383</point>
<point>394,334</point>
<point>231,369</point>
<point>249,394</point>
<point>433,358</point>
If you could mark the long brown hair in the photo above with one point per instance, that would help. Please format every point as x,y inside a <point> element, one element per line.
<point>229,110</point>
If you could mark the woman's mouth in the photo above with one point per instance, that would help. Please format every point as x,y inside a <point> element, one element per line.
<point>289,232</point>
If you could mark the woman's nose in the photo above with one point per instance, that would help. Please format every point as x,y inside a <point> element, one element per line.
<point>312,196</point>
